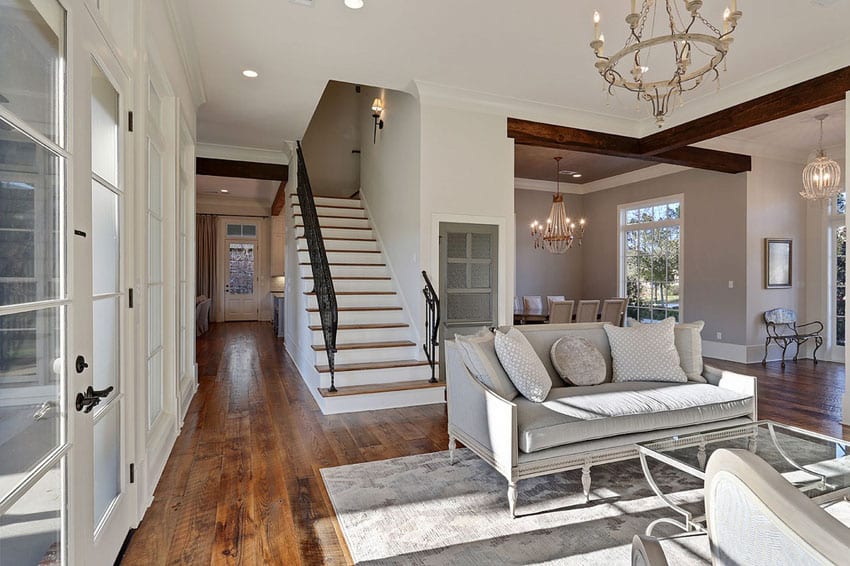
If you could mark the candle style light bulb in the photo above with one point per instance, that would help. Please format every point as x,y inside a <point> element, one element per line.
<point>596,25</point>
<point>633,6</point>
<point>602,47</point>
<point>726,14</point>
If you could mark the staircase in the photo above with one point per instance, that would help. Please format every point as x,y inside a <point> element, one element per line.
<point>378,363</point>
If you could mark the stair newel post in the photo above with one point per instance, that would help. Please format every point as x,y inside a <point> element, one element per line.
<point>323,285</point>
<point>432,325</point>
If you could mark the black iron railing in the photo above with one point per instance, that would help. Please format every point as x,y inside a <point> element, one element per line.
<point>323,285</point>
<point>432,325</point>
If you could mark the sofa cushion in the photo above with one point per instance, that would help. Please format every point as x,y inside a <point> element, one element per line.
<point>479,355</point>
<point>577,361</point>
<point>646,352</point>
<point>576,414</point>
<point>542,336</point>
<point>688,340</point>
<point>523,365</point>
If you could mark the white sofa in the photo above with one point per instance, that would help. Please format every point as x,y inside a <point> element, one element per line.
<point>579,427</point>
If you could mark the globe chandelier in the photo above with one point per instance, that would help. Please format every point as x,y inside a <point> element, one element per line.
<point>659,69</point>
<point>559,233</point>
<point>822,175</point>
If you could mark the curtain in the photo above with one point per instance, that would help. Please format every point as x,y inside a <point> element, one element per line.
<point>206,254</point>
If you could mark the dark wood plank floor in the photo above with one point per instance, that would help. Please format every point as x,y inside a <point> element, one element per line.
<point>242,485</point>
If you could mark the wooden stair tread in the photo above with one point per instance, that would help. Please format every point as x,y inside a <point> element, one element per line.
<point>360,309</point>
<point>336,217</point>
<point>340,227</point>
<point>379,388</point>
<point>356,293</point>
<point>372,365</point>
<point>364,326</point>
<point>364,278</point>
<point>295,195</point>
<point>367,345</point>
<point>351,264</point>
<point>343,239</point>
<point>344,251</point>
<point>335,206</point>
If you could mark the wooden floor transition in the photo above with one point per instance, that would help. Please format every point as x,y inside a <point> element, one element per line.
<point>242,484</point>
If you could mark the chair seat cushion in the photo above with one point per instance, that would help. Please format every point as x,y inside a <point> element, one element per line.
<point>575,414</point>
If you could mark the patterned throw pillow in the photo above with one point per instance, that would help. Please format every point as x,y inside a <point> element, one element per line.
<point>578,361</point>
<point>479,356</point>
<point>688,340</point>
<point>522,365</point>
<point>646,352</point>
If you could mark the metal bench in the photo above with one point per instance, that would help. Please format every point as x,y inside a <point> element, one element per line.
<point>783,330</point>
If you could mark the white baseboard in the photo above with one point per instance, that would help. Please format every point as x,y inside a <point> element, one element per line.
<point>725,351</point>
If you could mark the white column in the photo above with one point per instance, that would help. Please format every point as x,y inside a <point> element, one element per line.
<point>846,400</point>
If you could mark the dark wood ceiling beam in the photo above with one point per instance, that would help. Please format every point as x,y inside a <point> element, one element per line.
<point>279,199</point>
<point>800,97</point>
<point>241,169</point>
<point>575,139</point>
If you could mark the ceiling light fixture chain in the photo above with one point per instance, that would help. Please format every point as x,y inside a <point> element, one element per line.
<point>711,45</point>
<point>559,233</point>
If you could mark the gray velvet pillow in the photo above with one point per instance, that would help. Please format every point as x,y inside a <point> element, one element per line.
<point>578,361</point>
<point>522,365</point>
<point>479,355</point>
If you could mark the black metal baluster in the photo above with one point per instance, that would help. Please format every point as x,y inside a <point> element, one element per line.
<point>432,325</point>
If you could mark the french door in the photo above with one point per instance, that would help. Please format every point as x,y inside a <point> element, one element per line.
<point>240,289</point>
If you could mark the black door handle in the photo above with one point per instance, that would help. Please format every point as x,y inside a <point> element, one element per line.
<point>80,364</point>
<point>90,398</point>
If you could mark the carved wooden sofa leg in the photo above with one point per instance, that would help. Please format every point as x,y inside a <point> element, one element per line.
<point>512,498</point>
<point>452,448</point>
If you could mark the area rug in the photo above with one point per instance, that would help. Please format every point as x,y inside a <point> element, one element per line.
<point>421,510</point>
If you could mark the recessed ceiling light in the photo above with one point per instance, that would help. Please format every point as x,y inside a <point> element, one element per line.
<point>354,4</point>
<point>250,73</point>
<point>225,191</point>
<point>576,175</point>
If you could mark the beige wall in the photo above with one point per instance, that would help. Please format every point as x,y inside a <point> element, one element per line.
<point>537,271</point>
<point>715,235</point>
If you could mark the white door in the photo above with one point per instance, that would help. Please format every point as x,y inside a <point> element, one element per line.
<point>240,289</point>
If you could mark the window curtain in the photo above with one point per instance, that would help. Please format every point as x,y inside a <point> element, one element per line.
<point>206,256</point>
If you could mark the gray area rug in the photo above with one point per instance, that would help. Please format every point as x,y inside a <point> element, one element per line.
<point>422,510</point>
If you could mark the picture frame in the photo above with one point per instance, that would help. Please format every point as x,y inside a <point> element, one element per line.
<point>778,255</point>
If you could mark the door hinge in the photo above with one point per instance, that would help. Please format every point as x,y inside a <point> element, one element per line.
<point>130,120</point>
<point>130,297</point>
<point>132,473</point>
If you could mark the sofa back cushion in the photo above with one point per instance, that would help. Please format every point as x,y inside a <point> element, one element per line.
<point>543,336</point>
<point>478,353</point>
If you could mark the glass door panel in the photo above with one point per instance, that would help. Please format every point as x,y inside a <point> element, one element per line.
<point>240,299</point>
<point>31,530</point>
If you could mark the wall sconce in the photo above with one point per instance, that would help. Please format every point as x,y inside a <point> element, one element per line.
<point>377,109</point>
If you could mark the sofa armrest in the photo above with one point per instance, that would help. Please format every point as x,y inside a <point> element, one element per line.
<point>737,382</point>
<point>479,417</point>
<point>647,551</point>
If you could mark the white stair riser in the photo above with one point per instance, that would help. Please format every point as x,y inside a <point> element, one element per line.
<point>362,317</point>
<point>347,271</point>
<point>366,377</point>
<point>353,285</point>
<point>390,400</point>
<point>330,201</point>
<point>347,245</point>
<point>358,300</point>
<point>339,233</point>
<point>365,335</point>
<point>368,355</point>
<point>345,257</point>
<point>325,222</point>
<point>334,211</point>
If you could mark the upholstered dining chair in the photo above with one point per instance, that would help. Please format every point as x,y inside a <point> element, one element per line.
<point>613,311</point>
<point>587,310</point>
<point>533,305</point>
<point>756,517</point>
<point>518,306</point>
<point>561,312</point>
<point>551,299</point>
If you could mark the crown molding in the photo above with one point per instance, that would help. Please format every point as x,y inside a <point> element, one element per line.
<point>524,184</point>
<point>241,153</point>
<point>456,98</point>
<point>645,174</point>
<point>184,37</point>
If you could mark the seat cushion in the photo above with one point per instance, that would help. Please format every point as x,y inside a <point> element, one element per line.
<point>576,414</point>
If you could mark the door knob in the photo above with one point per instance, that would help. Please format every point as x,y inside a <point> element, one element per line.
<point>80,364</point>
<point>90,398</point>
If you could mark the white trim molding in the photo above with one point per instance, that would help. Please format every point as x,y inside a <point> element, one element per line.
<point>242,153</point>
<point>645,174</point>
<point>184,36</point>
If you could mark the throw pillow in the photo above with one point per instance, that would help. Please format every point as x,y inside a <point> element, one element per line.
<point>577,361</point>
<point>522,365</point>
<point>646,352</point>
<point>688,340</point>
<point>479,355</point>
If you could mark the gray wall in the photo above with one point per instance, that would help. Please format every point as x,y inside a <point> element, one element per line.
<point>714,237</point>
<point>537,271</point>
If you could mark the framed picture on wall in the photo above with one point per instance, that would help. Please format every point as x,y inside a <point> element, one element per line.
<point>777,263</point>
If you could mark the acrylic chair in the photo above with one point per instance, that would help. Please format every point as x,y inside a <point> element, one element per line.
<point>586,311</point>
<point>613,311</point>
<point>561,312</point>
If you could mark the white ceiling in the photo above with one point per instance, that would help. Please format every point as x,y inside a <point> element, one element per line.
<point>526,51</point>
<point>253,189</point>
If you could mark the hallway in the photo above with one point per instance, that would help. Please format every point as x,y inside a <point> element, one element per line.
<point>242,484</point>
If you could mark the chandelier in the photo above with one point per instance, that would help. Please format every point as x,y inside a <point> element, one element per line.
<point>559,233</point>
<point>697,48</point>
<point>822,175</point>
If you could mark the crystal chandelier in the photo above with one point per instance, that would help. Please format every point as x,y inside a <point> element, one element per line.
<point>822,175</point>
<point>697,48</point>
<point>559,234</point>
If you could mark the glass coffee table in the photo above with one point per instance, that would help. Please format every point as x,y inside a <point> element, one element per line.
<point>818,465</point>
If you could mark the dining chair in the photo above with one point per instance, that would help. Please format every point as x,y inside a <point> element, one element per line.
<point>561,312</point>
<point>587,310</point>
<point>551,299</point>
<point>518,306</point>
<point>613,310</point>
<point>533,305</point>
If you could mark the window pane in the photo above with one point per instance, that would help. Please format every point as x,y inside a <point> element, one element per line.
<point>673,210</point>
<point>31,240</point>
<point>480,275</point>
<point>154,180</point>
<point>841,203</point>
<point>31,370</point>
<point>481,246</point>
<point>456,276</point>
<point>106,344</point>
<point>249,231</point>
<point>104,127</point>
<point>839,331</point>
<point>456,246</point>
<point>154,387</point>
<point>154,318</point>
<point>234,229</point>
<point>32,65</point>
<point>154,250</point>
<point>107,461</point>
<point>472,307</point>
<point>241,280</point>
<point>105,240</point>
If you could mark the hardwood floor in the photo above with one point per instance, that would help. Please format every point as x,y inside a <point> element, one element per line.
<point>242,484</point>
